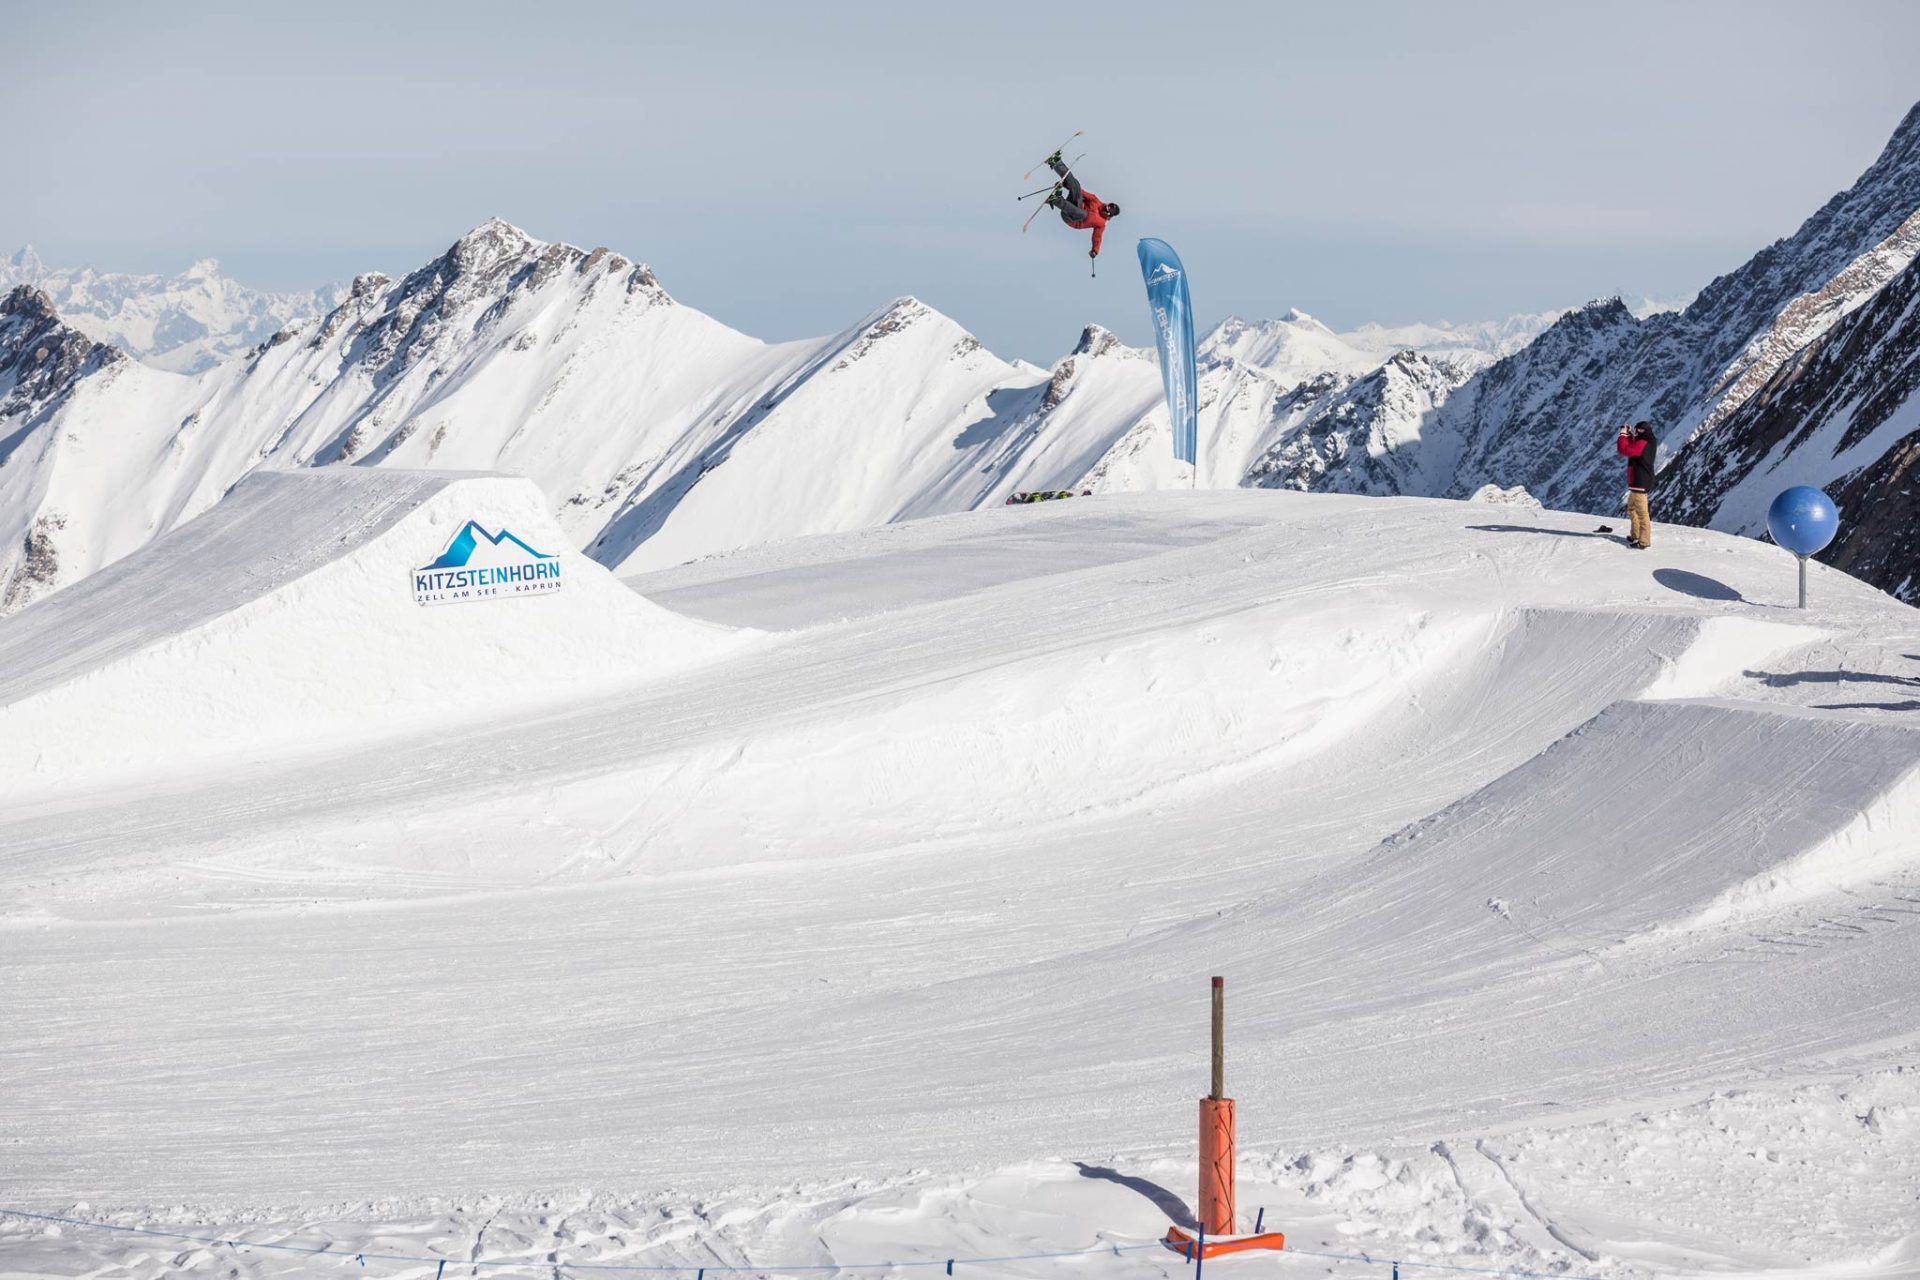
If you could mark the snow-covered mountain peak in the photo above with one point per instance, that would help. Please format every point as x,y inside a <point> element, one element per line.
<point>497,230</point>
<point>1291,349</point>
<point>493,242</point>
<point>498,256</point>
<point>1597,315</point>
<point>898,317</point>
<point>1411,363</point>
<point>26,262</point>
<point>1362,435</point>
<point>906,307</point>
<point>1097,340</point>
<point>492,271</point>
<point>25,301</point>
<point>1902,152</point>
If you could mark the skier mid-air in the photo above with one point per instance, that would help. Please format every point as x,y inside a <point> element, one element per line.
<point>1079,208</point>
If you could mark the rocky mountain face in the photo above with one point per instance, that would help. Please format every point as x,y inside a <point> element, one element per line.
<point>41,357</point>
<point>1795,368</point>
<point>1842,413</point>
<point>1543,416</point>
<point>186,323</point>
<point>1364,434</point>
<point>41,362</point>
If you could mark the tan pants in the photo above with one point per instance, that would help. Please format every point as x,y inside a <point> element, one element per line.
<point>1642,522</point>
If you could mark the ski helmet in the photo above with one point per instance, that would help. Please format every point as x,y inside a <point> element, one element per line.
<point>1109,210</point>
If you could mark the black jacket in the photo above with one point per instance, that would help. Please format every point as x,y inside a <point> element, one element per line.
<point>1640,473</point>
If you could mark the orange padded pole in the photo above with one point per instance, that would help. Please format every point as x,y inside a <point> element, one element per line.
<point>1216,1133</point>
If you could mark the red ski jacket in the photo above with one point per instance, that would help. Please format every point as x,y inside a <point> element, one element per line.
<point>1091,217</point>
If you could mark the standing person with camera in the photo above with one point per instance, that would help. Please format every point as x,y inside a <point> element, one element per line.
<point>1637,445</point>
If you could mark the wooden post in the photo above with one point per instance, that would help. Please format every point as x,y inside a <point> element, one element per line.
<point>1216,1133</point>
<point>1219,1039</point>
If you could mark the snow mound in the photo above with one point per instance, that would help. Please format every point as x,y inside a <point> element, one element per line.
<point>1516,496</point>
<point>1615,829</point>
<point>296,612</point>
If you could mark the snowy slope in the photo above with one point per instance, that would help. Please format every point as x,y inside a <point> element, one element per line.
<point>287,615</point>
<point>1519,851</point>
<point>185,323</point>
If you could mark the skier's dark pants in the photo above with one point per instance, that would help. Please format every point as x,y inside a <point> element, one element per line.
<point>1067,200</point>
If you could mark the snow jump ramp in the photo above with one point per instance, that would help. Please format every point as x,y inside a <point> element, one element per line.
<point>320,604</point>
<point>1652,821</point>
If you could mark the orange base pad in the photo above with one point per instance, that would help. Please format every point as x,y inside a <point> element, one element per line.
<point>1180,1242</point>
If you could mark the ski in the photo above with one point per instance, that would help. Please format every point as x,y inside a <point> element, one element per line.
<point>1045,204</point>
<point>1028,175</point>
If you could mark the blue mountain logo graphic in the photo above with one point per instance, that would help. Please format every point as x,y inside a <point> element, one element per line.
<point>460,550</point>
<point>479,565</point>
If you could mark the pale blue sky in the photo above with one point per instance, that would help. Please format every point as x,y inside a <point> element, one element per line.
<point>788,167</point>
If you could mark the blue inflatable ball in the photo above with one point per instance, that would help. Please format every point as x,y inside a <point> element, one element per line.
<point>1803,520</point>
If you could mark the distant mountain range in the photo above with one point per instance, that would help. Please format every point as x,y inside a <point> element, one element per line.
<point>662,435</point>
<point>186,323</point>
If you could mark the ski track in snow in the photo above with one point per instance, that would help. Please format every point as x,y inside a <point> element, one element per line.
<point>1566,895</point>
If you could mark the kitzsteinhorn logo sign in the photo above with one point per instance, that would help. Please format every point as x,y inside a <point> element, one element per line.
<point>478,565</point>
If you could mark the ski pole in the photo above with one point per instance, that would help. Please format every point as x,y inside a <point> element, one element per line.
<point>1031,194</point>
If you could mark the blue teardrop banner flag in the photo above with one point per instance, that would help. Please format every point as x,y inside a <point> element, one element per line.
<point>1172,309</point>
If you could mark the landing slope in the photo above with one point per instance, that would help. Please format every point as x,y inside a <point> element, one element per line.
<point>1495,826</point>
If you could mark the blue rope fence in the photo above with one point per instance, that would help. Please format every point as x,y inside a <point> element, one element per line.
<point>363,1257</point>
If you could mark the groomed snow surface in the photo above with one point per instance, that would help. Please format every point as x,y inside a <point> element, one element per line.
<point>852,899</point>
